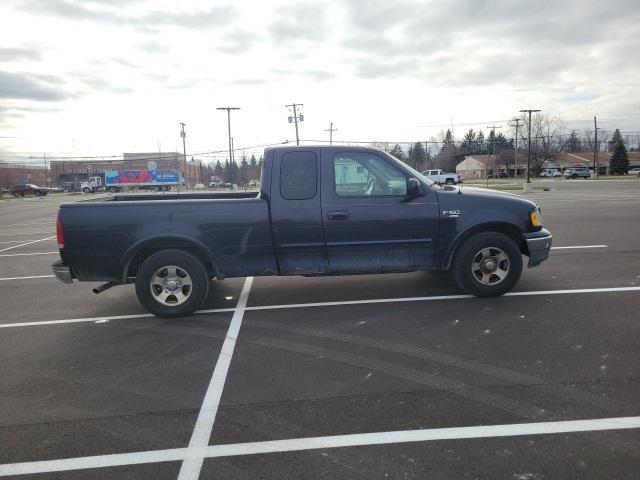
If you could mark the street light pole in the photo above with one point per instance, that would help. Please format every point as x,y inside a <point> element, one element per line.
<point>530,110</point>
<point>228,109</point>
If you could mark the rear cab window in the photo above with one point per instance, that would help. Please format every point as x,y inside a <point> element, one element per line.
<point>298,175</point>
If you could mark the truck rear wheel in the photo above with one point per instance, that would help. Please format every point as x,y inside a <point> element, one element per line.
<point>488,264</point>
<point>172,283</point>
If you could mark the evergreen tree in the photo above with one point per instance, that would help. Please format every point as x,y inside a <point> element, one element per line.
<point>253,162</point>
<point>619,163</point>
<point>573,143</point>
<point>218,171</point>
<point>468,145</point>
<point>397,152</point>
<point>417,156</point>
<point>481,147</point>
<point>615,140</point>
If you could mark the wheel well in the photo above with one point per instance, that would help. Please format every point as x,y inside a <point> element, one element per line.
<point>504,228</point>
<point>154,247</point>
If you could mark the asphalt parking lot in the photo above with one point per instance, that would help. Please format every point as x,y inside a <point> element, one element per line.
<point>387,376</point>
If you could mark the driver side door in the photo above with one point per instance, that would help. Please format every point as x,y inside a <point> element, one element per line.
<point>370,223</point>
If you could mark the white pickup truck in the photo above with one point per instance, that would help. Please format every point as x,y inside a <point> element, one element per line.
<point>440,177</point>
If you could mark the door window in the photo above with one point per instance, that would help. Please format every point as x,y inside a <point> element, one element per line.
<point>363,174</point>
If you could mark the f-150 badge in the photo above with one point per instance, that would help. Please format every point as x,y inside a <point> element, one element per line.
<point>451,213</point>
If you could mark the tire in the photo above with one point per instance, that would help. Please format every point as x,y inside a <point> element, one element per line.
<point>574,176</point>
<point>469,272</point>
<point>113,189</point>
<point>86,190</point>
<point>449,181</point>
<point>162,268</point>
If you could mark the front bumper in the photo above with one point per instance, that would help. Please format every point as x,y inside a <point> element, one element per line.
<point>62,272</point>
<point>538,246</point>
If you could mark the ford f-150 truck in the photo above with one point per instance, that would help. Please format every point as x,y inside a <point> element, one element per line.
<point>325,210</point>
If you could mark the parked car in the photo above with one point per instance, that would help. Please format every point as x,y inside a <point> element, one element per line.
<point>320,211</point>
<point>576,172</point>
<point>28,189</point>
<point>551,172</point>
<point>634,171</point>
<point>441,178</point>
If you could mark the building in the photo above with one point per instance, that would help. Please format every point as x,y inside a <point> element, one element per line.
<point>478,166</point>
<point>585,159</point>
<point>68,172</point>
<point>18,173</point>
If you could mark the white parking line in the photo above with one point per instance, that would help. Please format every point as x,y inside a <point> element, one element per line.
<point>330,304</point>
<point>192,465</point>
<point>25,278</point>
<point>28,254</point>
<point>27,243</point>
<point>579,246</point>
<point>315,443</point>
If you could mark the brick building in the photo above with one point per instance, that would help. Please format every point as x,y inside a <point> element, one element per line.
<point>17,173</point>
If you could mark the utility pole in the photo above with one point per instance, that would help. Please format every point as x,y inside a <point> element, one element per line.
<point>530,110</point>
<point>46,174</point>
<point>515,154</point>
<point>331,130</point>
<point>595,148</point>
<point>296,118</point>
<point>493,151</point>
<point>228,109</point>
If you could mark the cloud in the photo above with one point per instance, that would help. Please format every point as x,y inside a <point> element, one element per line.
<point>154,47</point>
<point>18,54</point>
<point>150,21</point>
<point>236,42</point>
<point>248,81</point>
<point>468,44</point>
<point>32,87</point>
<point>304,22</point>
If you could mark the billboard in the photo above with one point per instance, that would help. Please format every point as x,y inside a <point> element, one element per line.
<point>141,177</point>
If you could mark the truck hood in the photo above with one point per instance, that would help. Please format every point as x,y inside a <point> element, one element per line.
<point>487,193</point>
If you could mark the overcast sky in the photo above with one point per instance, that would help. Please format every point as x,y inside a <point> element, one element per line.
<point>107,76</point>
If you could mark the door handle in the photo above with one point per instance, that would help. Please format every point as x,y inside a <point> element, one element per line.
<point>337,214</point>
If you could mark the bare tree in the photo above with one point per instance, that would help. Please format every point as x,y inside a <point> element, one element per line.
<point>547,138</point>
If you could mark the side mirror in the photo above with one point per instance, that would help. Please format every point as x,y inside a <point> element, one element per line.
<point>413,187</point>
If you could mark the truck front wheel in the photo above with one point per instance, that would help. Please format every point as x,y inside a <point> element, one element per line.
<point>488,264</point>
<point>172,283</point>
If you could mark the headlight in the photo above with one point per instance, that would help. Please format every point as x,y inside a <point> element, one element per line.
<point>535,217</point>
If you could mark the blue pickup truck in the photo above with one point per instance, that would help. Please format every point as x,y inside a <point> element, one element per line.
<point>327,210</point>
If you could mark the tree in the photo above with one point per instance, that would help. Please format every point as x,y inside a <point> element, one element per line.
<point>619,163</point>
<point>244,171</point>
<point>397,152</point>
<point>615,140</point>
<point>253,162</point>
<point>480,147</point>
<point>218,171</point>
<point>468,145</point>
<point>573,143</point>
<point>417,156</point>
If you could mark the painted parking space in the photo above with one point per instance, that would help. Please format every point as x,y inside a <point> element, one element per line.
<point>388,357</point>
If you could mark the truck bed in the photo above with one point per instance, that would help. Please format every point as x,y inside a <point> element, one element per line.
<point>230,230</point>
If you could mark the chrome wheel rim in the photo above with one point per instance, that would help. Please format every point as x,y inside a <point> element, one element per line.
<point>490,266</point>
<point>171,286</point>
